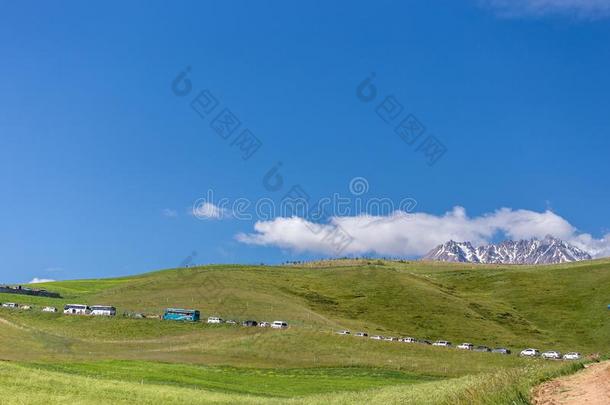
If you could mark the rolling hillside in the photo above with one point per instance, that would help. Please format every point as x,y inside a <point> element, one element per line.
<point>561,307</point>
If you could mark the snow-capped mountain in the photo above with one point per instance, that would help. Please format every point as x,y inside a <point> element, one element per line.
<point>534,251</point>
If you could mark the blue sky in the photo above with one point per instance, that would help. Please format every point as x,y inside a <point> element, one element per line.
<point>101,162</point>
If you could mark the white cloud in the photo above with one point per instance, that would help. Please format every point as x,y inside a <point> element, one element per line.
<point>37,280</point>
<point>206,210</point>
<point>577,8</point>
<point>402,234</point>
<point>595,247</point>
<point>168,212</point>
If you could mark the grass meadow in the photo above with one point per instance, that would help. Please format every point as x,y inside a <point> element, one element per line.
<point>53,358</point>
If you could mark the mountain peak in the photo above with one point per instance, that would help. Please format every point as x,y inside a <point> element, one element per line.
<point>549,250</point>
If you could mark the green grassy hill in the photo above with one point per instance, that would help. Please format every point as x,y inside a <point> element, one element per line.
<point>560,307</point>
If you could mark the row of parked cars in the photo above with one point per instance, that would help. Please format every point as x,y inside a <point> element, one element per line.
<point>15,305</point>
<point>69,309</point>
<point>24,307</point>
<point>194,315</point>
<point>250,323</point>
<point>169,314</point>
<point>551,354</point>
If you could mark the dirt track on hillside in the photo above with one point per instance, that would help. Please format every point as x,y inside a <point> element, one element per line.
<point>590,386</point>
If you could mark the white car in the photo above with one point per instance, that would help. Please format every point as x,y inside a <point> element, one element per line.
<point>571,356</point>
<point>408,340</point>
<point>10,305</point>
<point>215,319</point>
<point>343,332</point>
<point>466,346</point>
<point>552,355</point>
<point>231,322</point>
<point>442,343</point>
<point>279,325</point>
<point>391,339</point>
<point>530,353</point>
<point>264,325</point>
<point>377,337</point>
<point>361,334</point>
<point>49,309</point>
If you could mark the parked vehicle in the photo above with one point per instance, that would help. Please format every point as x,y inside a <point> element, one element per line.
<point>466,346</point>
<point>484,349</point>
<point>377,337</point>
<point>279,325</point>
<point>25,307</point>
<point>391,339</point>
<point>424,342</point>
<point>501,350</point>
<point>343,332</point>
<point>408,340</point>
<point>231,322</point>
<point>215,319</point>
<point>551,355</point>
<point>572,356</point>
<point>361,334</point>
<point>140,315</point>
<point>49,309</point>
<point>442,343</point>
<point>529,353</point>
<point>77,309</point>
<point>103,310</point>
<point>249,323</point>
<point>10,305</point>
<point>264,324</point>
<point>177,314</point>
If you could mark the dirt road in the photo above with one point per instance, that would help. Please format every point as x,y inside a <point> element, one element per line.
<point>590,386</point>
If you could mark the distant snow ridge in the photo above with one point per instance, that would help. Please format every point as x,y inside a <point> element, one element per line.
<point>549,250</point>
